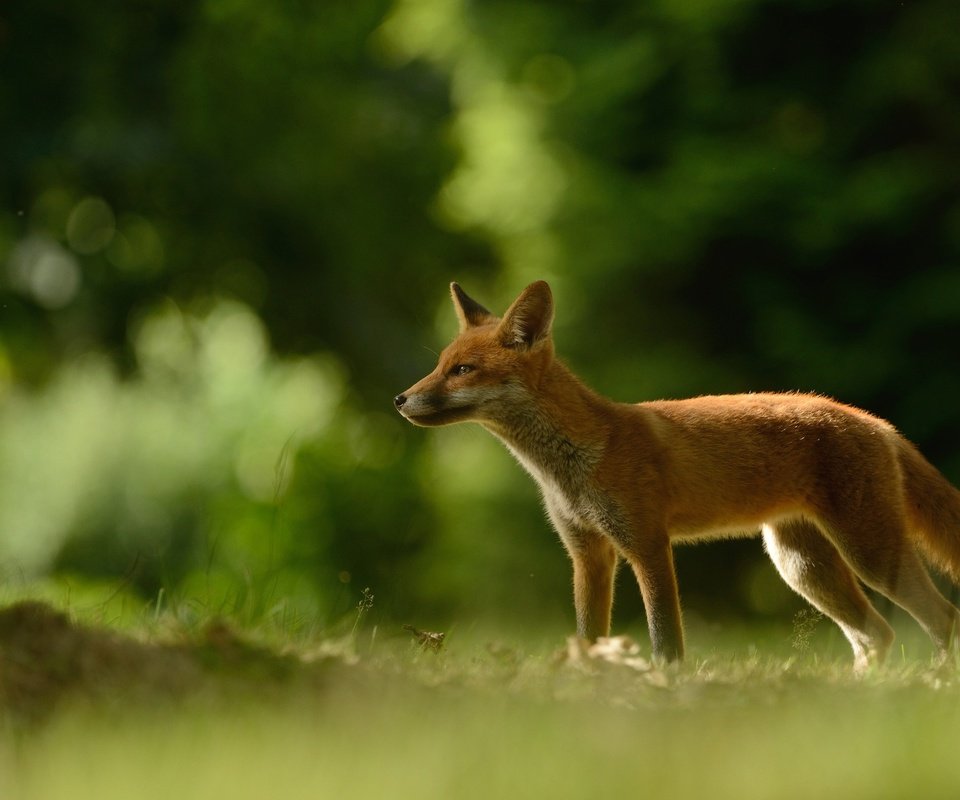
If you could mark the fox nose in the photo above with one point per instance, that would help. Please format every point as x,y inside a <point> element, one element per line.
<point>399,400</point>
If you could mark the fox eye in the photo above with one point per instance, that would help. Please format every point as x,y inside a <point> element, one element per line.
<point>461,369</point>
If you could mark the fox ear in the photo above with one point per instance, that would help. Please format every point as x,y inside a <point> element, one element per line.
<point>469,311</point>
<point>529,319</point>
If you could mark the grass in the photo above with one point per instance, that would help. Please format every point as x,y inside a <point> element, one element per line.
<point>478,720</point>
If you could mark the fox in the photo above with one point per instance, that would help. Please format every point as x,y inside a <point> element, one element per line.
<point>841,499</point>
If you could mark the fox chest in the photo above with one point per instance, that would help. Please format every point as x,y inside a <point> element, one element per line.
<point>571,497</point>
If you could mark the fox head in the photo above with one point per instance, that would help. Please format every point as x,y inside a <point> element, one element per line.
<point>493,364</point>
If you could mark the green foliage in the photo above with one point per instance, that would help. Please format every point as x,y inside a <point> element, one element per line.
<point>226,231</point>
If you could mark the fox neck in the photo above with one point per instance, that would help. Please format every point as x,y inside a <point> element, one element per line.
<point>555,429</point>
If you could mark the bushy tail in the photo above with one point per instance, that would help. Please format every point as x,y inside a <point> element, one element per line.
<point>933,508</point>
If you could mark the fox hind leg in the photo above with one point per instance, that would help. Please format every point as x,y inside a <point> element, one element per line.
<point>891,565</point>
<point>813,567</point>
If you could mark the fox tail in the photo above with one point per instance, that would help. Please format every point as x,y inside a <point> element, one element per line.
<point>933,508</point>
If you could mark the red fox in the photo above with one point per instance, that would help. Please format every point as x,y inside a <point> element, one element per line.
<point>837,493</point>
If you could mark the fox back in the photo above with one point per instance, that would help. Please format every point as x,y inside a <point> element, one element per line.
<point>839,496</point>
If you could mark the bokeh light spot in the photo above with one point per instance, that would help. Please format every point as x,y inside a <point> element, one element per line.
<point>41,269</point>
<point>90,226</point>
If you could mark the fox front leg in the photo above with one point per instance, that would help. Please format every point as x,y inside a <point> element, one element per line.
<point>594,564</point>
<point>653,567</point>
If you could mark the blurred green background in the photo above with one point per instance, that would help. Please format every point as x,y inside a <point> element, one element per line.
<point>227,229</point>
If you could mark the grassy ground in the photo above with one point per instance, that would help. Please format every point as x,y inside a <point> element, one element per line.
<point>160,712</point>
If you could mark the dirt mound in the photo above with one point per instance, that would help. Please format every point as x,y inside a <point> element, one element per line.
<point>47,659</point>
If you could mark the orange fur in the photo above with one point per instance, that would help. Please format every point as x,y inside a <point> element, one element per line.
<point>839,496</point>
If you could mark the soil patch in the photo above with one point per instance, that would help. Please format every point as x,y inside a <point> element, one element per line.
<point>47,659</point>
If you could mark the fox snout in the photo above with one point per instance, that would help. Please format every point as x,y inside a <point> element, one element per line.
<point>414,404</point>
<point>420,408</point>
<point>429,407</point>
